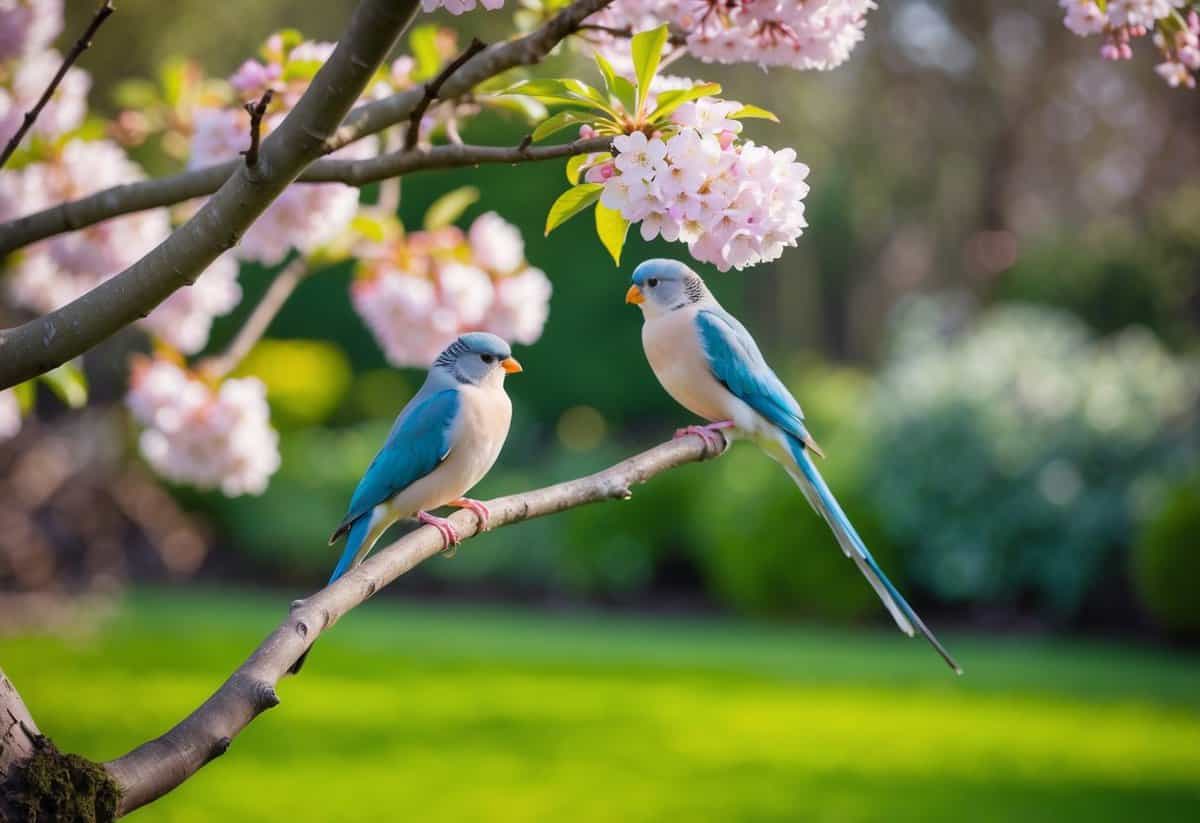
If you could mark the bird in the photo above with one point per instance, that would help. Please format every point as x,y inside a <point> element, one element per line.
<point>443,442</point>
<point>709,363</point>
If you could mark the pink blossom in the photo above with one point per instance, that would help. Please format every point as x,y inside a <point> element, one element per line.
<point>417,292</point>
<point>802,34</point>
<point>496,244</point>
<point>28,26</point>
<point>55,271</point>
<point>185,319</point>
<point>10,414</point>
<point>205,437</point>
<point>735,205</point>
<point>21,91</point>
<point>521,308</point>
<point>457,7</point>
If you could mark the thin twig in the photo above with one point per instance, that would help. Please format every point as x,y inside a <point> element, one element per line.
<point>256,112</point>
<point>81,45</point>
<point>626,32</point>
<point>158,766</point>
<point>258,322</point>
<point>434,87</point>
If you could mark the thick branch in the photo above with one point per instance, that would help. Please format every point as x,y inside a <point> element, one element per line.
<point>49,341</point>
<point>365,120</point>
<point>259,320</point>
<point>155,768</point>
<point>81,45</point>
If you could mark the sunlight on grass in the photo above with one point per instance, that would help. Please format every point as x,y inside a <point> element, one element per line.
<point>481,714</point>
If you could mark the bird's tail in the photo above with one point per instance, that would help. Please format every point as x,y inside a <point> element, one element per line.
<point>355,540</point>
<point>821,498</point>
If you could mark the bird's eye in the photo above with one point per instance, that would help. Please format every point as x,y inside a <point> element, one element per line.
<point>652,282</point>
<point>486,358</point>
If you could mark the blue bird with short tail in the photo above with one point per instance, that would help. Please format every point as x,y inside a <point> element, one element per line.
<point>443,442</point>
<point>709,363</point>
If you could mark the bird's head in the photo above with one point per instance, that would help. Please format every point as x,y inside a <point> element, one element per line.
<point>478,358</point>
<point>661,286</point>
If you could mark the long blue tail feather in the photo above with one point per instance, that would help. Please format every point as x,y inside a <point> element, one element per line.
<point>354,544</point>
<point>821,498</point>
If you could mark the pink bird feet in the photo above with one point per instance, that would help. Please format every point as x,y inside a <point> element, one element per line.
<point>715,442</point>
<point>445,528</point>
<point>480,510</point>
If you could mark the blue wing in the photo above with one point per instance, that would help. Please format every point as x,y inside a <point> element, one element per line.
<point>736,362</point>
<point>418,442</point>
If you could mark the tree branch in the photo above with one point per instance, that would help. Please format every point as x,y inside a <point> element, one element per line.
<point>158,766</point>
<point>433,90</point>
<point>49,341</point>
<point>17,729</point>
<point>259,320</point>
<point>363,121</point>
<point>81,45</point>
<point>372,169</point>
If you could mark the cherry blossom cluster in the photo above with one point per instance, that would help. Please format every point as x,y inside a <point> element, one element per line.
<point>305,217</point>
<point>49,274</point>
<point>1175,25</point>
<point>735,204</point>
<point>457,7</point>
<point>204,437</point>
<point>27,64</point>
<point>802,34</point>
<point>418,292</point>
<point>10,414</point>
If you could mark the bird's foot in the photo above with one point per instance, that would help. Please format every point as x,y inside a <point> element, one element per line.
<point>715,442</point>
<point>479,509</point>
<point>445,528</point>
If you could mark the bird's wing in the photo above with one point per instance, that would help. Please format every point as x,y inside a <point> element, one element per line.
<point>419,441</point>
<point>735,361</point>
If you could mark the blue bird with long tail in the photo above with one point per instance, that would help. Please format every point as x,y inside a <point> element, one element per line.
<point>708,362</point>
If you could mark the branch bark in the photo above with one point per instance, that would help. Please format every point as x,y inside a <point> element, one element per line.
<point>363,121</point>
<point>49,341</point>
<point>81,45</point>
<point>17,729</point>
<point>158,766</point>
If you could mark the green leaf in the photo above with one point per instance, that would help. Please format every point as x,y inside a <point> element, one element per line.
<point>668,101</point>
<point>449,207</point>
<point>625,92</point>
<point>606,71</point>
<point>556,123</point>
<point>301,69</point>
<point>135,94</point>
<point>68,382</point>
<point>611,228</point>
<point>571,202</point>
<point>25,394</point>
<point>530,110</point>
<point>747,112</point>
<point>422,42</point>
<point>576,164</point>
<point>647,49</point>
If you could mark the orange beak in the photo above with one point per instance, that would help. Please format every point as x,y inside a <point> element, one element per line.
<point>510,365</point>
<point>635,296</point>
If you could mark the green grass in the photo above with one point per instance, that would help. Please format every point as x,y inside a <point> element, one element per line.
<point>423,713</point>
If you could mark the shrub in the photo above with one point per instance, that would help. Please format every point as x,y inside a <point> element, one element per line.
<point>1166,561</point>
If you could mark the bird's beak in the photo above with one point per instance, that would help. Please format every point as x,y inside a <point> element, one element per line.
<point>635,296</point>
<point>510,365</point>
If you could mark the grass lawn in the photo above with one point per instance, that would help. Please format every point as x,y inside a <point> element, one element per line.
<point>456,714</point>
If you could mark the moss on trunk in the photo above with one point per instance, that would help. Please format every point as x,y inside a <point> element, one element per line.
<point>52,787</point>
